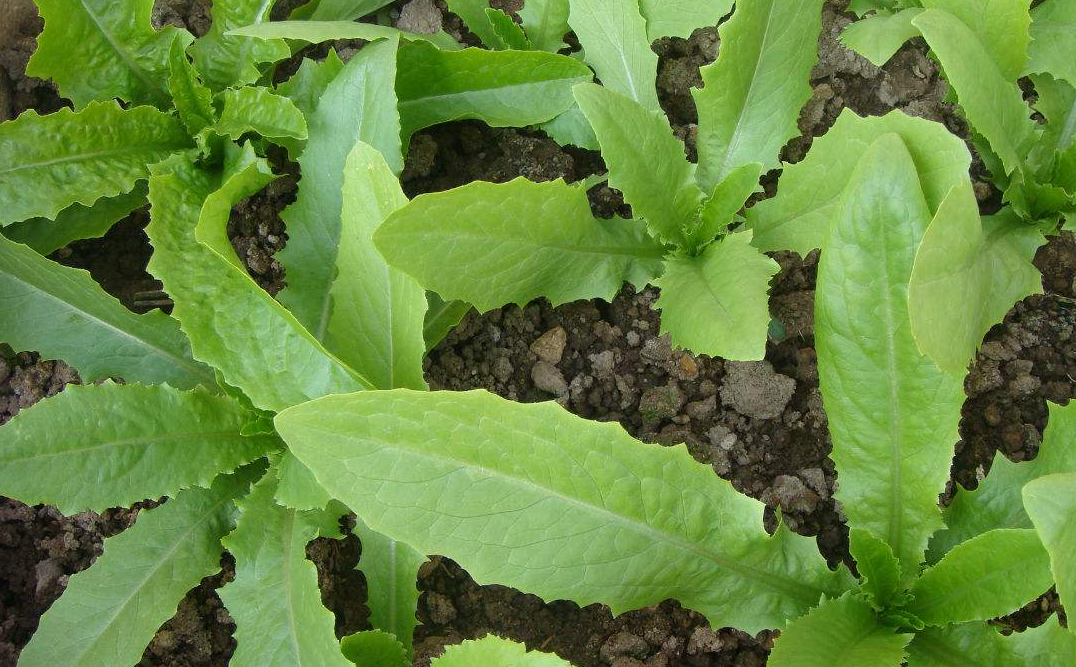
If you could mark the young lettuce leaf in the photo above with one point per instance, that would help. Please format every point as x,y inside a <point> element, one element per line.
<point>680,18</point>
<point>492,651</point>
<point>227,60</point>
<point>879,569</point>
<point>374,647</point>
<point>391,571</point>
<point>546,23</point>
<point>1051,503</point>
<point>1053,40</point>
<point>331,30</point>
<point>614,39</point>
<point>253,109</point>
<point>76,222</point>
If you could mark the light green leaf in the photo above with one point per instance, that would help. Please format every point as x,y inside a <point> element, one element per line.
<point>345,10</point>
<point>76,222</point>
<point>981,645</point>
<point>110,612</point>
<point>327,31</point>
<point>997,503</point>
<point>373,648</point>
<point>680,18</point>
<point>571,128</point>
<point>1057,103</point>
<point>546,23</point>
<point>391,571</point>
<point>878,38</point>
<point>535,498</point>
<point>305,89</point>
<point>255,109</point>
<point>754,92</point>
<point>155,441</point>
<point>798,218</point>
<point>297,488</point>
<point>501,88</point>
<point>507,30</point>
<point>727,198</point>
<point>1053,34</point>
<point>1001,26</point>
<point>879,569</point>
<point>359,105</point>
<point>1051,503</point>
<point>492,651</point>
<point>473,13</point>
<point>64,314</point>
<point>49,162</point>
<point>101,49</point>
<point>893,441</point>
<point>222,309</point>
<point>193,101</point>
<point>227,60</point>
<point>493,244</point>
<point>717,303</point>
<point>1048,645</point>
<point>861,7</point>
<point>441,317</point>
<point>377,312</point>
<point>613,35</point>
<point>274,599</point>
<point>646,162</point>
<point>992,102</point>
<point>988,576</point>
<point>845,632</point>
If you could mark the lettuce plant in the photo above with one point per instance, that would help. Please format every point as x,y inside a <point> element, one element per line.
<point>983,54</point>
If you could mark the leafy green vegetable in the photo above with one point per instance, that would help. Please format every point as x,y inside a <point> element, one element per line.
<point>76,222</point>
<point>257,110</point>
<point>679,18</point>
<point>878,38</point>
<point>391,571</point>
<point>473,13</point>
<point>193,100</point>
<point>1053,40</point>
<point>614,39</point>
<point>507,30</point>
<point>330,30</point>
<point>344,10</point>
<point>1050,504</point>
<point>226,59</point>
<point>546,23</point>
<point>879,569</point>
<point>1000,25</point>
<point>374,647</point>
<point>441,317</point>
<point>728,197</point>
<point>492,651</point>
<point>983,646</point>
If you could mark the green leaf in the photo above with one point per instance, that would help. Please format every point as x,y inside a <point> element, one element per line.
<point>305,89</point>
<point>646,162</point>
<point>988,576</point>
<point>500,88</point>
<point>492,651</point>
<point>893,441</point>
<point>1053,35</point>
<point>345,10</point>
<point>328,31</point>
<point>1057,103</point>
<point>727,198</point>
<point>156,441</point>
<point>546,23</point>
<point>981,645</point>
<point>997,503</point>
<point>717,303</point>
<point>227,60</point>
<point>879,569</point>
<point>441,317</point>
<point>613,35</point>
<point>571,128</point>
<point>1051,503</point>
<point>274,599</point>
<point>193,100</point>
<point>373,648</point>
<point>993,104</point>
<point>473,13</point>
<point>1001,26</point>
<point>1048,645</point>
<point>297,488</point>
<point>101,49</point>
<point>50,162</point>
<point>798,218</point>
<point>391,571</point>
<point>257,110</point>
<point>861,7</point>
<point>76,222</point>
<point>535,498</point>
<point>359,105</point>
<point>221,308</point>
<point>64,314</point>
<point>493,244</point>
<point>878,38</point>
<point>845,632</point>
<point>377,312</point>
<point>110,612</point>
<point>507,30</point>
<point>754,92</point>
<point>680,18</point>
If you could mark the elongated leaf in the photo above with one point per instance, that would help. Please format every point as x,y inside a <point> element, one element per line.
<point>546,23</point>
<point>274,598</point>
<point>49,162</point>
<point>257,110</point>
<point>501,88</point>
<point>492,651</point>
<point>571,128</point>
<point>1053,34</point>
<point>117,51</point>
<point>988,576</point>
<point>297,488</point>
<point>493,244</point>
<point>892,440</point>
<point>997,503</point>
<point>226,59</point>
<point>156,441</point>
<point>391,571</point>
<point>473,13</point>
<point>441,317</point>
<point>680,18</point>
<point>76,222</point>
<point>754,92</point>
<point>535,498</point>
<point>992,102</point>
<point>305,89</point>
<point>879,569</point>
<point>331,30</point>
<point>1057,103</point>
<point>878,38</point>
<point>378,312</point>
<point>359,105</point>
<point>1000,25</point>
<point>614,39</point>
<point>646,162</point>
<point>982,645</point>
<point>798,218</point>
<point>110,612</point>
<point>192,99</point>
<point>344,10</point>
<point>507,30</point>
<point>717,303</point>
<point>844,632</point>
<point>222,309</point>
<point>1048,645</point>
<point>1051,504</point>
<point>63,314</point>
<point>728,197</point>
<point>373,647</point>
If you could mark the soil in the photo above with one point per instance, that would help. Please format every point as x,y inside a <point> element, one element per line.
<point>760,425</point>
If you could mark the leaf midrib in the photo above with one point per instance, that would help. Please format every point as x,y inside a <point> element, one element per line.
<point>131,442</point>
<point>126,57</point>
<point>112,152</point>
<point>627,251</point>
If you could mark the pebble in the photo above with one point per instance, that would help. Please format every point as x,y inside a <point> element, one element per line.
<point>549,379</point>
<point>550,346</point>
<point>658,403</point>
<point>623,644</point>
